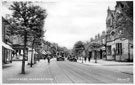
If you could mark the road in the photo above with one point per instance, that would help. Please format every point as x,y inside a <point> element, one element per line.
<point>63,72</point>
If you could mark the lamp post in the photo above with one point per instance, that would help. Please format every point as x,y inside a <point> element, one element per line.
<point>32,52</point>
<point>106,46</point>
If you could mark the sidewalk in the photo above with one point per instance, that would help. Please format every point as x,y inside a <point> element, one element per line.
<point>38,73</point>
<point>123,67</point>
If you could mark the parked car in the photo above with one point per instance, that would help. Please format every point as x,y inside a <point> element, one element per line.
<point>72,58</point>
<point>60,58</point>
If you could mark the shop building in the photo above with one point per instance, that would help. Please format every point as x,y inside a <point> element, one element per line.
<point>118,48</point>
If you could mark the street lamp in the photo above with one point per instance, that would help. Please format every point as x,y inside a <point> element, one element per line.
<point>32,54</point>
<point>106,45</point>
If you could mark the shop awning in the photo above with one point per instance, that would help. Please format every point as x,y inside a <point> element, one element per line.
<point>35,52</point>
<point>7,46</point>
<point>102,48</point>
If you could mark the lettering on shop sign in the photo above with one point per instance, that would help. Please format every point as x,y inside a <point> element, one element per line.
<point>25,79</point>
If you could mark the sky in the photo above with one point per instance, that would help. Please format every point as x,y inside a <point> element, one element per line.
<point>69,21</point>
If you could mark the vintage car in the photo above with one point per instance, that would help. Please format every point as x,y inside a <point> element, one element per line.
<point>60,58</point>
<point>72,58</point>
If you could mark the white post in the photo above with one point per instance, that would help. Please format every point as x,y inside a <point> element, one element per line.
<point>29,57</point>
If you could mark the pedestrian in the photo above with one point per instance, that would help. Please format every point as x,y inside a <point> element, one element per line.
<point>89,58</point>
<point>44,57</point>
<point>114,53</point>
<point>85,58</point>
<point>48,58</point>
<point>95,56</point>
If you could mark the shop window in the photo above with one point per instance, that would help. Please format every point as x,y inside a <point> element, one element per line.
<point>109,50</point>
<point>119,48</point>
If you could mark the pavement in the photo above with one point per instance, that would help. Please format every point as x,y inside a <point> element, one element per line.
<point>125,67</point>
<point>39,72</point>
<point>62,72</point>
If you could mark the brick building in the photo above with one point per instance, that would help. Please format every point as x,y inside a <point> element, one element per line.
<point>118,48</point>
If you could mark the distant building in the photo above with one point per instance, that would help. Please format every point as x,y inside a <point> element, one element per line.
<point>118,48</point>
<point>100,40</point>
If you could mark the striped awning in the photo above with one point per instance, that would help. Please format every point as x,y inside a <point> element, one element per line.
<point>102,48</point>
<point>7,46</point>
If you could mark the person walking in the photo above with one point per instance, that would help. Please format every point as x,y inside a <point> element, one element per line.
<point>89,58</point>
<point>85,58</point>
<point>104,55</point>
<point>114,53</point>
<point>48,58</point>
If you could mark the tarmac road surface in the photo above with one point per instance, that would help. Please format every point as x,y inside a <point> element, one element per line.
<point>63,72</point>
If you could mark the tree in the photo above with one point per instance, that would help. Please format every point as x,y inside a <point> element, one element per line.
<point>27,20</point>
<point>53,50</point>
<point>78,48</point>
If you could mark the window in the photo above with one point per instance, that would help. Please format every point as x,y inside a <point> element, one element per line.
<point>109,50</point>
<point>119,48</point>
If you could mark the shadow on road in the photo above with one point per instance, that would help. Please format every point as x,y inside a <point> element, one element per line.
<point>6,66</point>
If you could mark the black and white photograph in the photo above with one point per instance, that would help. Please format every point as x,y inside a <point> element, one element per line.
<point>67,42</point>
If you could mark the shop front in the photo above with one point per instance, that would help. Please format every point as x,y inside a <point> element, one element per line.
<point>6,53</point>
<point>18,53</point>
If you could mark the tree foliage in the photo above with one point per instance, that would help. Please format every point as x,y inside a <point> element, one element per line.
<point>78,48</point>
<point>53,50</point>
<point>27,20</point>
<point>27,17</point>
<point>94,46</point>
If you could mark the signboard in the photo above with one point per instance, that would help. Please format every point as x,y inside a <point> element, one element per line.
<point>18,46</point>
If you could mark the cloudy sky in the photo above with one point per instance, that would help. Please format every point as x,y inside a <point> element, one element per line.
<point>69,21</point>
